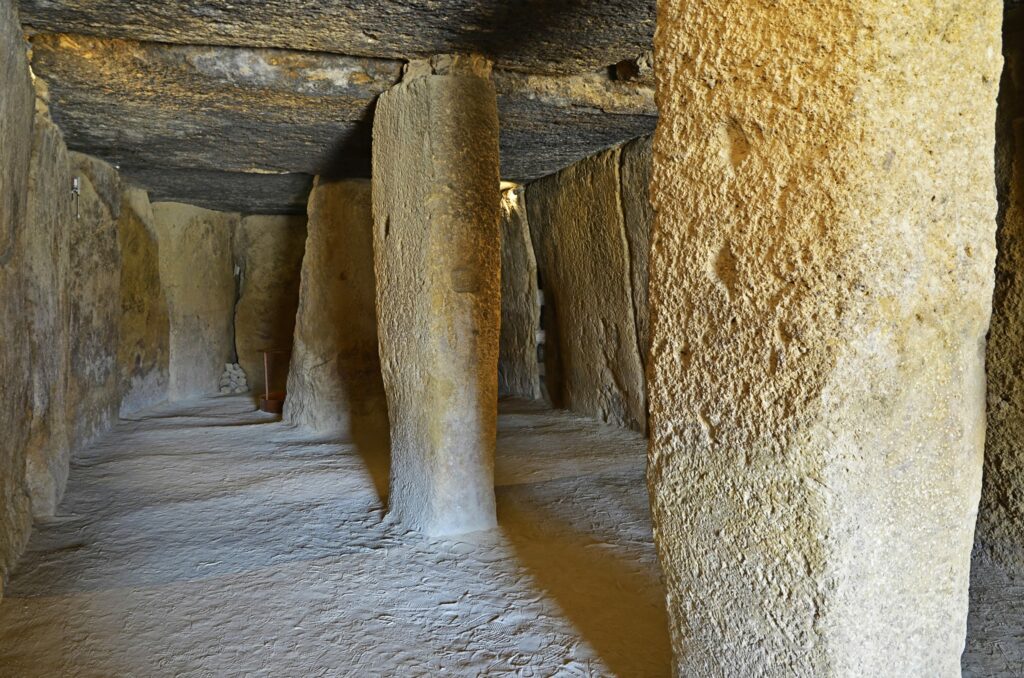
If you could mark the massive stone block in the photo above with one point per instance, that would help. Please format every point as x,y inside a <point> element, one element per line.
<point>592,356</point>
<point>821,279</point>
<point>51,213</point>
<point>16,115</point>
<point>94,284</point>
<point>144,353</point>
<point>1001,514</point>
<point>437,261</point>
<point>268,257</point>
<point>196,270</point>
<point>638,217</point>
<point>334,385</point>
<point>518,372</point>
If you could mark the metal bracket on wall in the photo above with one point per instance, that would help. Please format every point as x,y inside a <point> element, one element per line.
<point>76,194</point>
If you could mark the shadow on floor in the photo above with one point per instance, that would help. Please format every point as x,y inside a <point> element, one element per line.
<point>617,605</point>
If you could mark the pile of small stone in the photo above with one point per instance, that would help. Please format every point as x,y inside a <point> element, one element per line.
<point>233,380</point>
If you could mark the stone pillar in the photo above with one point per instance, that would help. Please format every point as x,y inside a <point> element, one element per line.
<point>821,279</point>
<point>334,384</point>
<point>437,264</point>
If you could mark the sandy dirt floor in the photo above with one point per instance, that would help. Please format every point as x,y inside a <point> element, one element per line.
<point>206,540</point>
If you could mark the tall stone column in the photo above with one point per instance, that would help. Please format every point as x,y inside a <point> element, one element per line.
<point>821,283</point>
<point>437,264</point>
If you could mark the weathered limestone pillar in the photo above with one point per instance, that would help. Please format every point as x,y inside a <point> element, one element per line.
<point>821,279</point>
<point>334,384</point>
<point>437,263</point>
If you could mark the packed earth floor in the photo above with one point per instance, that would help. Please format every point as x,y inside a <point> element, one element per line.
<point>206,539</point>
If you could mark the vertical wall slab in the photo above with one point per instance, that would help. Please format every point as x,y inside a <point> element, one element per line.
<point>268,257</point>
<point>437,263</point>
<point>638,217</point>
<point>334,385</point>
<point>51,213</point>
<point>94,293</point>
<point>16,114</point>
<point>144,353</point>
<point>1001,514</point>
<point>821,277</point>
<point>518,372</point>
<point>592,353</point>
<point>196,270</point>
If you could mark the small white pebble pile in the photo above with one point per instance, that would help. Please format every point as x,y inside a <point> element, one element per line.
<point>233,380</point>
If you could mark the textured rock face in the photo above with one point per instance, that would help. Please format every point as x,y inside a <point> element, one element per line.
<point>196,270</point>
<point>821,276</point>
<point>518,373</point>
<point>1001,515</point>
<point>178,118</point>
<point>94,288</point>
<point>334,385</point>
<point>545,37</point>
<point>638,217</point>
<point>51,213</point>
<point>144,351</point>
<point>592,358</point>
<point>16,113</point>
<point>437,261</point>
<point>268,257</point>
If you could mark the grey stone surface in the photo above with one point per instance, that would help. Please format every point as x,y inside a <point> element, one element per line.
<point>197,274</point>
<point>180,120</point>
<point>518,372</point>
<point>543,36</point>
<point>821,286</point>
<point>16,117</point>
<point>268,258</point>
<point>437,260</point>
<point>591,356</point>
<point>334,385</point>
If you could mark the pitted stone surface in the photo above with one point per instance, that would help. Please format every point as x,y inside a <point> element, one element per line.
<point>268,257</point>
<point>437,262</point>
<point>196,270</point>
<point>821,279</point>
<point>591,360</point>
<point>334,385</point>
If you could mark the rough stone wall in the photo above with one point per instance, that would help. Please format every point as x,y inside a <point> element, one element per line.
<point>196,271</point>
<point>143,354</point>
<point>821,276</point>
<point>638,216</point>
<point>268,257</point>
<point>592,354</point>
<point>50,216</point>
<point>334,385</point>
<point>437,256</point>
<point>518,372</point>
<point>1001,515</point>
<point>16,118</point>
<point>94,288</point>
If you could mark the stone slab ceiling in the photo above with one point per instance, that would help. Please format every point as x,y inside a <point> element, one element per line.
<point>236,106</point>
